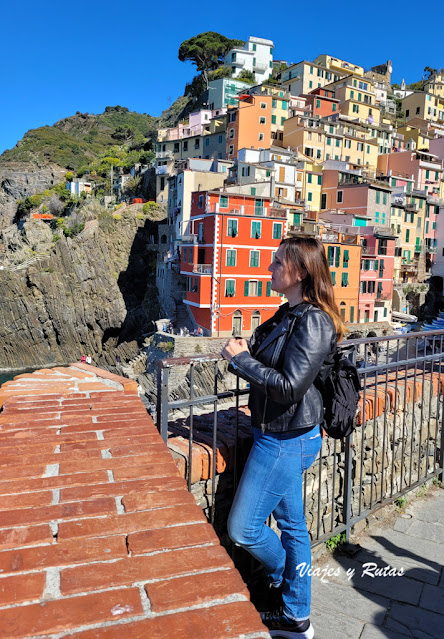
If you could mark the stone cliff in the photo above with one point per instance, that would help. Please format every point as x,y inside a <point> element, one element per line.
<point>92,293</point>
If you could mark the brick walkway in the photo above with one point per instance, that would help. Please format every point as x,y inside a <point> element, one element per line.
<point>392,607</point>
<point>99,538</point>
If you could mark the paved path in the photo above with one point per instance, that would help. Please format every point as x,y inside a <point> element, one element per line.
<point>391,607</point>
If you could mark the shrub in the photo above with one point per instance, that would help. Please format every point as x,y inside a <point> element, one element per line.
<point>139,216</point>
<point>335,542</point>
<point>401,502</point>
<point>166,347</point>
<point>116,216</point>
<point>55,238</point>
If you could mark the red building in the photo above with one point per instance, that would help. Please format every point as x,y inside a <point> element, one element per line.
<point>322,102</point>
<point>225,259</point>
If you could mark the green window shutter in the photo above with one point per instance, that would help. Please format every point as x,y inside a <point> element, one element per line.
<point>319,179</point>
<point>378,197</point>
<point>427,174</point>
<point>352,314</point>
<point>330,253</point>
<point>345,260</point>
<point>274,103</point>
<point>309,178</point>
<point>253,190</point>
<point>246,288</point>
<point>407,235</point>
<point>259,289</point>
<point>268,289</point>
<point>273,119</point>
<point>333,277</point>
<point>338,255</point>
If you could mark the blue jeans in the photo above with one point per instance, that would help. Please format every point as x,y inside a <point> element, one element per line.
<point>272,483</point>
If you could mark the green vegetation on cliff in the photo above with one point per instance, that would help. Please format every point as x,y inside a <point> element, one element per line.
<point>80,140</point>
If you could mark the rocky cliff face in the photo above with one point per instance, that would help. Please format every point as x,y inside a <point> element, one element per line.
<point>93,293</point>
<point>19,180</point>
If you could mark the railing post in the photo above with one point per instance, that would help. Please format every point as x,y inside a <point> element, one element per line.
<point>348,485</point>
<point>162,401</point>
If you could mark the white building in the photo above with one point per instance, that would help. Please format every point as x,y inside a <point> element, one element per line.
<point>78,186</point>
<point>255,56</point>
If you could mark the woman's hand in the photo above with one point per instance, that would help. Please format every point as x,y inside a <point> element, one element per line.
<point>234,347</point>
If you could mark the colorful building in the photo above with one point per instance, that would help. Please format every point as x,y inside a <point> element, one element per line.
<point>423,105</point>
<point>376,276</point>
<point>256,56</point>
<point>225,260</point>
<point>303,77</point>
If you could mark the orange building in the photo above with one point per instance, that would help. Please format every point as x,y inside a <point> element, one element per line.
<point>249,125</point>
<point>225,259</point>
<point>344,259</point>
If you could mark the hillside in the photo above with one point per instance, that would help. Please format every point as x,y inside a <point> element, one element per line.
<point>75,142</point>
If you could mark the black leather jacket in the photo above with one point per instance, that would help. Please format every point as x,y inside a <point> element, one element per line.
<point>282,368</point>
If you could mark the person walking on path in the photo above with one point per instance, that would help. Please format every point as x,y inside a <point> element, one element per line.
<point>284,358</point>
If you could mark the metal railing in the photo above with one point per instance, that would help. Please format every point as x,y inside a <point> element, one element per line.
<point>203,268</point>
<point>397,444</point>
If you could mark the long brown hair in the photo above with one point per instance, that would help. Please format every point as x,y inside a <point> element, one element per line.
<point>307,255</point>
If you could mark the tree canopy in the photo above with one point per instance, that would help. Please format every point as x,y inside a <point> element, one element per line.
<point>207,50</point>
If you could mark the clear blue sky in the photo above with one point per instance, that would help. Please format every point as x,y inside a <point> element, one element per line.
<point>61,57</point>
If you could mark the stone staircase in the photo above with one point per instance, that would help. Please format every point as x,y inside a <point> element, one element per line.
<point>183,317</point>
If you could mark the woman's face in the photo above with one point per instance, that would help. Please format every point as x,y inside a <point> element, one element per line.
<point>284,279</point>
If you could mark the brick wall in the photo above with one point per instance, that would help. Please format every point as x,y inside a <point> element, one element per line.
<point>99,538</point>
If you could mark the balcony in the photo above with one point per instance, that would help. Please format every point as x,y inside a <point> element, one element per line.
<point>189,239</point>
<point>203,269</point>
<point>411,207</point>
<point>431,249</point>
<point>369,250</point>
<point>163,155</point>
<point>419,247</point>
<point>296,228</point>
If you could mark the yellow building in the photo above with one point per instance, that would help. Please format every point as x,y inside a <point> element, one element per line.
<point>312,185</point>
<point>326,139</point>
<point>423,105</point>
<point>338,66</point>
<point>435,85</point>
<point>417,130</point>
<point>357,98</point>
<point>305,76</point>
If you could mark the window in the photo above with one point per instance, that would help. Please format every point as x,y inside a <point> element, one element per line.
<point>339,196</point>
<point>219,139</point>
<point>254,47</point>
<point>334,255</point>
<point>185,145</point>
<point>352,94</point>
<point>253,190</point>
<point>277,230</point>
<point>233,57</point>
<point>256,228</point>
<point>319,180</point>
<point>338,142</point>
<point>253,288</point>
<point>262,120</point>
<point>254,258</point>
<point>333,107</point>
<point>282,120</point>
<point>384,198</point>
<point>329,141</point>
<point>254,62</point>
<point>310,84</point>
<point>309,178</point>
<point>237,323</point>
<point>231,257</point>
<point>284,105</point>
<point>196,144</point>
<point>378,197</point>
<point>200,202</point>
<point>232,228</point>
<point>352,314</point>
<point>230,149</point>
<point>231,134</point>
<point>355,108</point>
<point>261,137</point>
<point>318,104</point>
<point>274,103</point>
<point>333,277</point>
<point>230,288</point>
<point>259,207</point>
<point>360,146</point>
<point>263,105</point>
<point>309,197</point>
<point>382,250</point>
<point>273,119</point>
<point>223,201</point>
<point>344,280</point>
<point>381,268</point>
<point>345,258</point>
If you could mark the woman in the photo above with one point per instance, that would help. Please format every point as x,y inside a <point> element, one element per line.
<point>286,354</point>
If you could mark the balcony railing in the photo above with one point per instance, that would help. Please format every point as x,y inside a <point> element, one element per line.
<point>401,401</point>
<point>431,249</point>
<point>204,269</point>
<point>163,155</point>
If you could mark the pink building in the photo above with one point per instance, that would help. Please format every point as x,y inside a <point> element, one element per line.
<point>376,278</point>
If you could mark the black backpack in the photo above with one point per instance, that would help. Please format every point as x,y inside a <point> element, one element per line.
<point>340,392</point>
